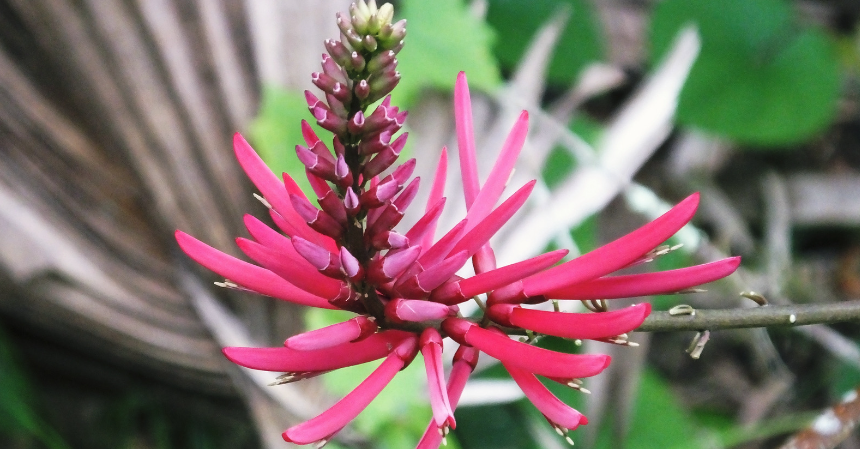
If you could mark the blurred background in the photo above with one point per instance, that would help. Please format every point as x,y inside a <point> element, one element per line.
<point>116,119</point>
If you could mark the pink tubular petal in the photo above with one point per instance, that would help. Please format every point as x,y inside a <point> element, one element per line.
<point>454,293</point>
<point>433,200</point>
<point>466,139</point>
<point>492,189</point>
<point>556,412</point>
<point>436,275</point>
<point>614,255</point>
<point>443,247</point>
<point>336,334</point>
<point>420,284</point>
<point>335,418</point>
<point>290,360</point>
<point>416,310</point>
<point>648,283</point>
<point>580,325</point>
<point>250,276</point>
<point>350,265</point>
<point>484,260</point>
<point>431,349</point>
<point>531,358</point>
<point>271,239</point>
<point>426,225</point>
<point>271,187</point>
<point>384,269</point>
<point>319,257</point>
<point>480,234</point>
<point>302,276</point>
<point>465,360</point>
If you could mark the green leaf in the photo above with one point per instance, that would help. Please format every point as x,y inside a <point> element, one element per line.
<point>443,39</point>
<point>759,79</point>
<point>516,23</point>
<point>19,416</point>
<point>658,421</point>
<point>277,130</point>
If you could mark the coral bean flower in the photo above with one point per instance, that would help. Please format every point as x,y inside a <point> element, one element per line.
<point>402,284</point>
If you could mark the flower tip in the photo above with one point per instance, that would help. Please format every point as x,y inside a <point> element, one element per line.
<point>692,201</point>
<point>230,353</point>
<point>734,262</point>
<point>430,335</point>
<point>456,328</point>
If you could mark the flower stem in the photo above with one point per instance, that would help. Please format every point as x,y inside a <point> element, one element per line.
<point>766,316</point>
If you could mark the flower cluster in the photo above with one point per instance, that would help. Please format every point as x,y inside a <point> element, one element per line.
<point>403,285</point>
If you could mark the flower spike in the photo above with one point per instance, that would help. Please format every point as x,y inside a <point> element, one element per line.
<point>348,251</point>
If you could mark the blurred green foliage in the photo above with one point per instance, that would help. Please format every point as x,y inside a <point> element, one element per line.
<point>277,130</point>
<point>761,78</point>
<point>443,39</point>
<point>516,23</point>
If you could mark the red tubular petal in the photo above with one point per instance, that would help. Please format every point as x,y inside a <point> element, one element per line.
<point>272,188</point>
<point>384,269</point>
<point>614,255</point>
<point>581,325</point>
<point>436,275</point>
<point>436,192</point>
<point>303,276</point>
<point>335,418</point>
<point>420,284</point>
<point>492,189</point>
<point>493,279</point>
<point>442,248</point>
<point>271,239</point>
<point>648,283</point>
<point>426,225</point>
<point>480,234</point>
<point>377,195</point>
<point>331,203</point>
<point>402,172</point>
<point>466,139</point>
<point>465,360</point>
<point>556,412</point>
<point>334,335</point>
<point>431,349</point>
<point>250,276</point>
<point>318,185</point>
<point>290,360</point>
<point>531,358</point>
<point>307,132</point>
<point>321,259</point>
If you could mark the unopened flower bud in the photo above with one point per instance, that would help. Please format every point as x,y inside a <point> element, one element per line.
<point>344,23</point>
<point>332,69</point>
<point>357,61</point>
<point>385,14</point>
<point>351,202</point>
<point>381,61</point>
<point>382,84</point>
<point>338,52</point>
<point>350,265</point>
<point>369,43</point>
<point>359,20</point>
<point>362,89</point>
